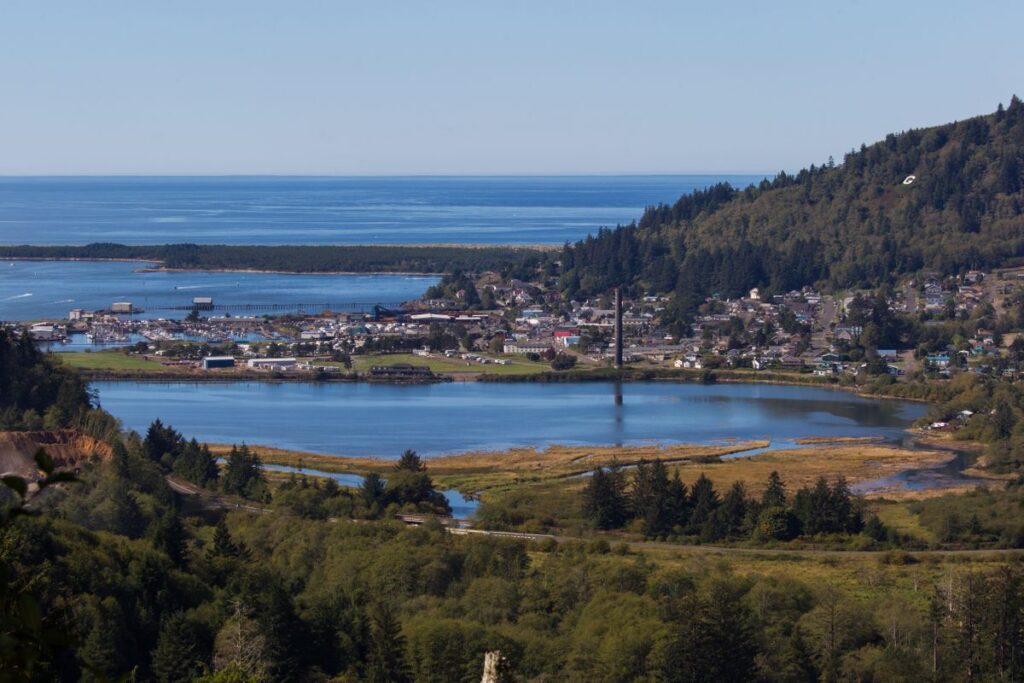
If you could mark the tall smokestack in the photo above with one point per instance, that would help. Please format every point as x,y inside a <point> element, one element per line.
<point>618,328</point>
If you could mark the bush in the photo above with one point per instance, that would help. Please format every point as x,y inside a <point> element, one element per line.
<point>777,523</point>
<point>563,361</point>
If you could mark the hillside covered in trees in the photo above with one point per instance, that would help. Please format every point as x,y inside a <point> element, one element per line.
<point>118,576</point>
<point>860,223</point>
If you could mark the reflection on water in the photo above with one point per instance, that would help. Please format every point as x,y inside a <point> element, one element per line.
<point>384,420</point>
<point>884,413</point>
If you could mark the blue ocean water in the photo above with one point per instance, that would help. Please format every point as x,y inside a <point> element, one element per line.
<point>330,210</point>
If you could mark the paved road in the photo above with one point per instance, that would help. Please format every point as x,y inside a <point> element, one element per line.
<point>910,298</point>
<point>209,498</point>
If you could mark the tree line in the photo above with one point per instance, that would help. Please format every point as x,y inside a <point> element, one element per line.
<point>514,261</point>
<point>664,507</point>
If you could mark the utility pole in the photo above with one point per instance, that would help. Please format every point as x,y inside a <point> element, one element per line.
<point>618,328</point>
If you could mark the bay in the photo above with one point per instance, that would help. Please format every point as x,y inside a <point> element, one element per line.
<point>33,290</point>
<point>383,420</point>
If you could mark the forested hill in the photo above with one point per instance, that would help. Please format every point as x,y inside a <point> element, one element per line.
<point>854,224</point>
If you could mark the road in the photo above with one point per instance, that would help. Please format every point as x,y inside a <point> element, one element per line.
<point>209,498</point>
<point>827,316</point>
<point>910,298</point>
<point>214,501</point>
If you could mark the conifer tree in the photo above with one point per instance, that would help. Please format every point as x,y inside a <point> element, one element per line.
<point>604,500</point>
<point>386,656</point>
<point>775,493</point>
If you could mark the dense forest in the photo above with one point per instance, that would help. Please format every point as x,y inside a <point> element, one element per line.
<point>859,223</point>
<point>117,576</point>
<point>514,261</point>
<point>35,392</point>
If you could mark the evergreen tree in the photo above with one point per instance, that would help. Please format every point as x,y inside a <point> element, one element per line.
<point>120,513</point>
<point>163,443</point>
<point>775,493</point>
<point>372,489</point>
<point>169,536</point>
<point>385,661</point>
<point>703,503</point>
<point>243,474</point>
<point>197,464</point>
<point>651,501</point>
<point>223,545</point>
<point>733,510</point>
<point>604,500</point>
<point>678,502</point>
<point>182,651</point>
<point>410,462</point>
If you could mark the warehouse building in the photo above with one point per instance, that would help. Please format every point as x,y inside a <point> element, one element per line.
<point>211,362</point>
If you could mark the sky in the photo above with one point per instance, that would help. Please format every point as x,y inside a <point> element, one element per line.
<point>467,87</point>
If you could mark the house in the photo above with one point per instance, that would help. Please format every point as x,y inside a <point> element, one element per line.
<point>525,347</point>
<point>848,332</point>
<point>202,303</point>
<point>690,360</point>
<point>938,360</point>
<point>888,354</point>
<point>271,363</point>
<point>44,332</point>
<point>121,307</point>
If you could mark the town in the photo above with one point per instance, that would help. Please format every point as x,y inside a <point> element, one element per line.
<point>485,324</point>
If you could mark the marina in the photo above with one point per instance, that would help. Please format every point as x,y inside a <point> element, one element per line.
<point>52,290</point>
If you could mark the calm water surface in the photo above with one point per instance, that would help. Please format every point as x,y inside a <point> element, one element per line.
<point>383,420</point>
<point>290,210</point>
<point>32,290</point>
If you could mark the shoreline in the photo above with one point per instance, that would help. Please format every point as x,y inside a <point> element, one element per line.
<point>548,377</point>
<point>165,269</point>
<point>258,271</point>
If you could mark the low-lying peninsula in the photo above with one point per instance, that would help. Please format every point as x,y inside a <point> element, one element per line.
<point>388,258</point>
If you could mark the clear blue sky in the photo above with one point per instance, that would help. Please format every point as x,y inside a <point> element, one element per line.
<point>485,86</point>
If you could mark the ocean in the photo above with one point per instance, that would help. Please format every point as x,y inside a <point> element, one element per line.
<point>330,210</point>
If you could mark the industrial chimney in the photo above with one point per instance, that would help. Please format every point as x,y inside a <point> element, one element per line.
<point>618,328</point>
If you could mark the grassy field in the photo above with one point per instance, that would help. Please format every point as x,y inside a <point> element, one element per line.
<point>111,360</point>
<point>898,516</point>
<point>522,468</point>
<point>518,365</point>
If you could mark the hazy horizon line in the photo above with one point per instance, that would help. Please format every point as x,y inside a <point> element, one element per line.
<point>5,176</point>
